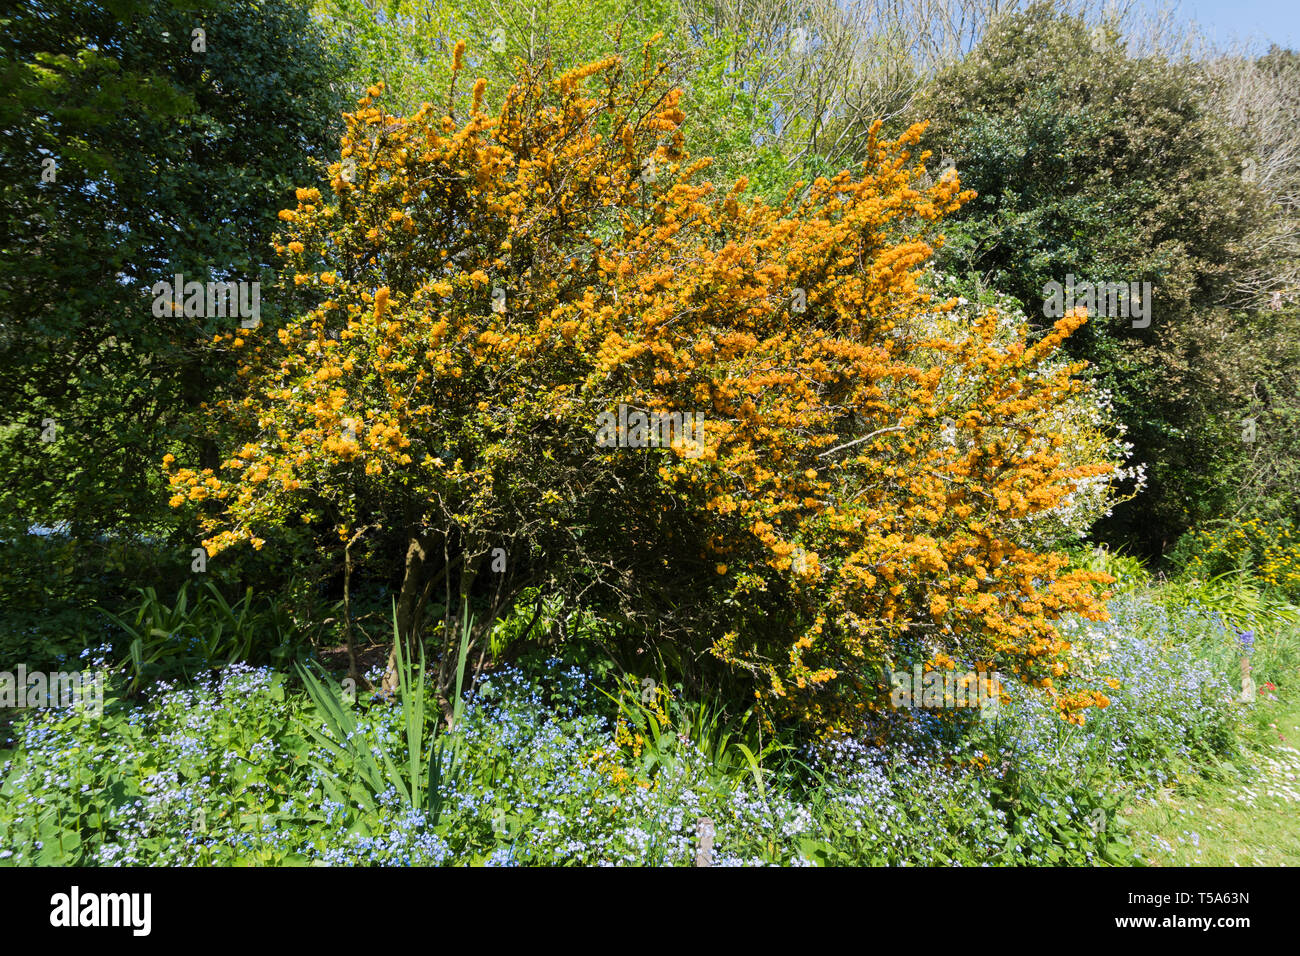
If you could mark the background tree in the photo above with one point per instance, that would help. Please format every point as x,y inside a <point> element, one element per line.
<point>1108,166</point>
<point>171,152</point>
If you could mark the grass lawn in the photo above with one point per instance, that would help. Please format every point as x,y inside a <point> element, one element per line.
<point>1249,815</point>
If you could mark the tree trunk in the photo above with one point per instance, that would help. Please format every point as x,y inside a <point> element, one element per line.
<point>471,560</point>
<point>347,603</point>
<point>347,612</point>
<point>407,599</point>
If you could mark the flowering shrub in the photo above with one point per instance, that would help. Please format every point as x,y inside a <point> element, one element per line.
<point>489,285</point>
<point>1269,550</point>
<point>1085,420</point>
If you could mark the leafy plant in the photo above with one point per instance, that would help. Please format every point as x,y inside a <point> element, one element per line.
<point>1236,597</point>
<point>180,639</point>
<point>417,776</point>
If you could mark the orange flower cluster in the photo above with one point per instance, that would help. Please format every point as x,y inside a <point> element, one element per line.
<point>488,284</point>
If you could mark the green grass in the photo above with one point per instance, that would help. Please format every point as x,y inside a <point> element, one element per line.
<point>1245,814</point>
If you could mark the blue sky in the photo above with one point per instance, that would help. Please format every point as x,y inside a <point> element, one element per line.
<point>1275,21</point>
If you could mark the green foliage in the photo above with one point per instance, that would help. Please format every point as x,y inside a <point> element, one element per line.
<point>1262,424</point>
<point>1128,570</point>
<point>1238,600</point>
<point>1111,167</point>
<point>727,76</point>
<point>407,44</point>
<point>1056,831</point>
<point>236,734</point>
<point>51,584</point>
<point>1268,550</point>
<point>532,616</point>
<point>168,160</point>
<point>419,779</point>
<point>183,639</point>
<point>659,725</point>
<point>733,118</point>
